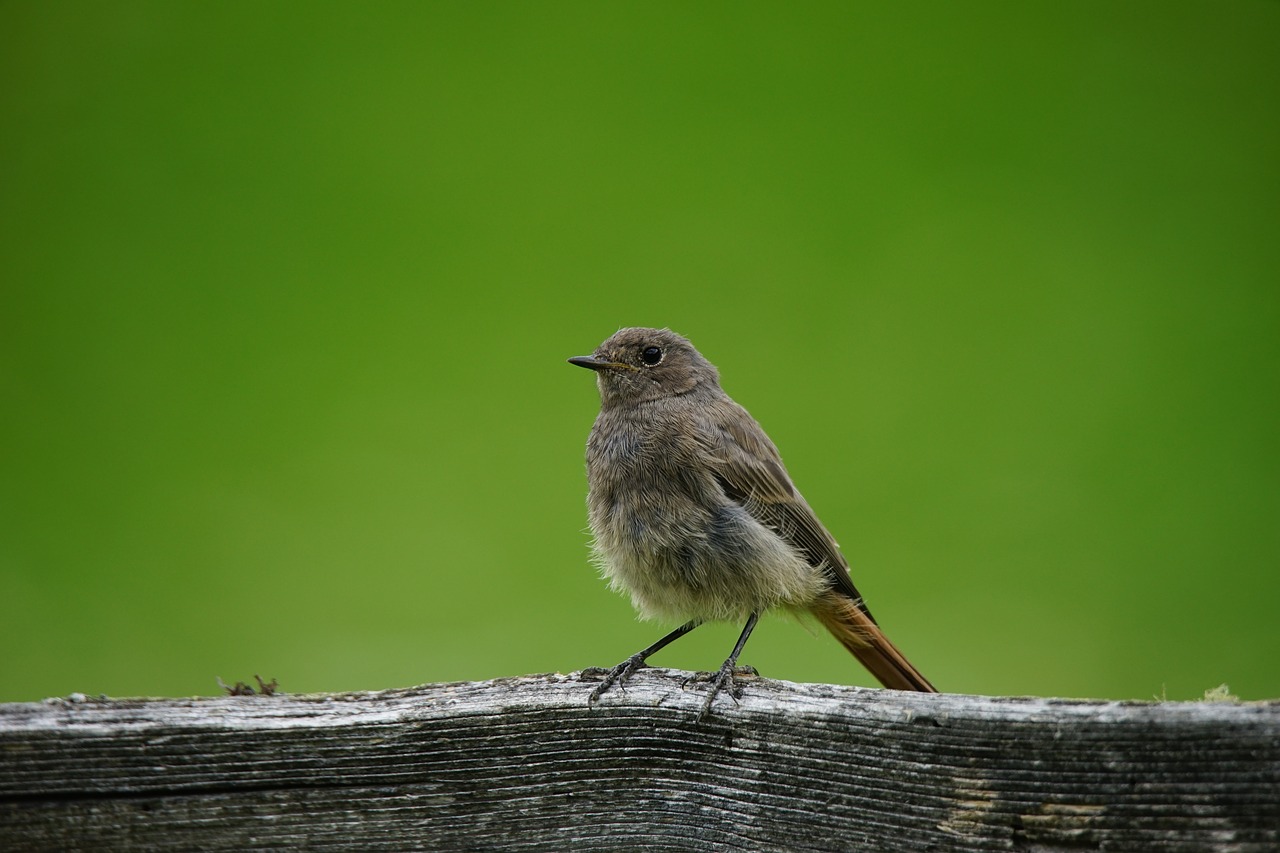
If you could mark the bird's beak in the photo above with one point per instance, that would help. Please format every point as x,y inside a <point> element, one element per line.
<point>592,363</point>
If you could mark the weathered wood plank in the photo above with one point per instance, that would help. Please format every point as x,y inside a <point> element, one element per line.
<point>523,764</point>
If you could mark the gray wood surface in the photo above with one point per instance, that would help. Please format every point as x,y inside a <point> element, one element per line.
<point>523,764</point>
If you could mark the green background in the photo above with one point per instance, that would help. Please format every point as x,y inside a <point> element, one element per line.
<point>288,289</point>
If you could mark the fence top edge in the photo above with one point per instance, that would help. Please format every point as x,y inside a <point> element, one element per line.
<point>652,691</point>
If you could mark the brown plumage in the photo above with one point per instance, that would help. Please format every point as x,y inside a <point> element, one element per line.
<point>850,623</point>
<point>694,514</point>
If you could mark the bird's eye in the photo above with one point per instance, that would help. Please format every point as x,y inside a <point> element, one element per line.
<point>651,356</point>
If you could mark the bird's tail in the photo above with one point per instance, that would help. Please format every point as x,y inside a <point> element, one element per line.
<point>858,632</point>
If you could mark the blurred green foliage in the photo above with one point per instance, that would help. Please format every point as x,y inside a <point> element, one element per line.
<point>288,289</point>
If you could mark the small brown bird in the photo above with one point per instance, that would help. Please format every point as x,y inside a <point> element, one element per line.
<point>694,515</point>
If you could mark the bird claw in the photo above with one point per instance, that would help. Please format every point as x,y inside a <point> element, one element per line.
<point>725,679</point>
<point>743,670</point>
<point>609,677</point>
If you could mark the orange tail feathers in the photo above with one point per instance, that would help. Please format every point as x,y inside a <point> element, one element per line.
<point>859,633</point>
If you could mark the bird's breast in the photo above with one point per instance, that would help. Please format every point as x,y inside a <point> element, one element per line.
<point>666,532</point>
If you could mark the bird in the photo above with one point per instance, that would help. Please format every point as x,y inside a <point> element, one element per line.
<point>694,515</point>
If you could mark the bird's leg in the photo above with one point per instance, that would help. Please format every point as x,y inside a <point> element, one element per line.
<point>620,673</point>
<point>726,673</point>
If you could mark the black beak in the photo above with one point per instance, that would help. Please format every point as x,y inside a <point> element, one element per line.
<point>592,363</point>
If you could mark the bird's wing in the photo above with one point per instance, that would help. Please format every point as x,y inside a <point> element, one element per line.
<point>751,473</point>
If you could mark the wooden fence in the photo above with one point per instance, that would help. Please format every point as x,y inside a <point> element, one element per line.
<point>524,764</point>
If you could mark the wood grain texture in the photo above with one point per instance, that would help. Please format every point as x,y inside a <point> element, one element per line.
<point>522,764</point>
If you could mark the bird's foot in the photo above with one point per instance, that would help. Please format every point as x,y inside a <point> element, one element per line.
<point>609,677</point>
<point>724,679</point>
